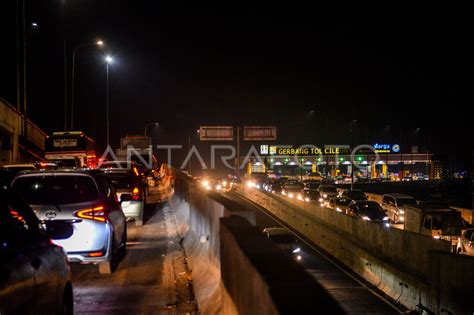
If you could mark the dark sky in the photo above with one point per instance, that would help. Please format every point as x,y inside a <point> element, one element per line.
<point>190,66</point>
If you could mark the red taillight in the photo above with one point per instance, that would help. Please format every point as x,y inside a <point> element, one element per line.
<point>97,214</point>
<point>136,193</point>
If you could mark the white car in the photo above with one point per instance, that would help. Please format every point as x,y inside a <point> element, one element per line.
<point>87,201</point>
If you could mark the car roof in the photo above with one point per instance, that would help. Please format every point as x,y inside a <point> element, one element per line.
<point>365,202</point>
<point>19,165</point>
<point>397,195</point>
<point>90,172</point>
<point>276,231</point>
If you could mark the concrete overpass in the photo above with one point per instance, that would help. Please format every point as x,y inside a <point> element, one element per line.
<point>20,140</point>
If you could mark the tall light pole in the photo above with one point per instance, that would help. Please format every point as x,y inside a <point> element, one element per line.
<point>108,60</point>
<point>98,43</point>
<point>353,121</point>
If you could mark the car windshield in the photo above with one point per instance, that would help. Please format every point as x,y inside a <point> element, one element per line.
<point>342,201</point>
<point>121,180</point>
<point>64,189</point>
<point>329,189</point>
<point>406,201</point>
<point>355,194</point>
<point>371,210</point>
<point>312,185</point>
<point>282,238</point>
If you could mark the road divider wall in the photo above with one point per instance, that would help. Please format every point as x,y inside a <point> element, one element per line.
<point>397,262</point>
<point>233,273</point>
<point>263,280</point>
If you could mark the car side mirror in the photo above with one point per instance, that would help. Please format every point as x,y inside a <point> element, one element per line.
<point>126,197</point>
<point>58,230</point>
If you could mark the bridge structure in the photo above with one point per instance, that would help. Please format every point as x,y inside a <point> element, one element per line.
<point>21,140</point>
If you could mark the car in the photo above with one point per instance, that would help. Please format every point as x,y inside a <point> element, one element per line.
<point>393,205</point>
<point>311,185</point>
<point>311,195</point>
<point>292,188</point>
<point>17,168</point>
<point>125,182</point>
<point>354,194</point>
<point>86,199</point>
<point>284,240</point>
<point>327,191</point>
<point>276,188</point>
<point>338,203</point>
<point>138,169</point>
<point>34,273</point>
<point>367,210</point>
<point>466,242</point>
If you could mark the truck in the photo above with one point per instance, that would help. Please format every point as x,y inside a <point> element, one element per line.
<point>435,219</point>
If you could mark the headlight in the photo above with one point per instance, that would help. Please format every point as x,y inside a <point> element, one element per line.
<point>250,184</point>
<point>300,197</point>
<point>338,210</point>
<point>291,195</point>
<point>224,183</point>
<point>385,218</point>
<point>325,195</point>
<point>296,250</point>
<point>298,257</point>
<point>387,224</point>
<point>366,218</point>
<point>401,211</point>
<point>205,183</point>
<point>257,186</point>
<point>436,237</point>
<point>401,218</point>
<point>218,187</point>
<point>321,200</point>
<point>306,199</point>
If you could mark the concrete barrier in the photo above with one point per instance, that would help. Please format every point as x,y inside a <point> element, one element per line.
<point>261,279</point>
<point>395,261</point>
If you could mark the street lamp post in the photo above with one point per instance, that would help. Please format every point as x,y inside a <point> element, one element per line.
<point>108,60</point>
<point>352,148</point>
<point>99,43</point>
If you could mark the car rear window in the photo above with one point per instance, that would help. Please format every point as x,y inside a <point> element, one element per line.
<point>282,238</point>
<point>329,189</point>
<point>372,210</point>
<point>121,180</point>
<point>63,189</point>
<point>405,201</point>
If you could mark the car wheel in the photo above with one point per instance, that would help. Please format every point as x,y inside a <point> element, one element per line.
<point>106,267</point>
<point>123,246</point>
<point>67,307</point>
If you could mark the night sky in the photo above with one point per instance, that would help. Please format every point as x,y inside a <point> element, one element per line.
<point>188,66</point>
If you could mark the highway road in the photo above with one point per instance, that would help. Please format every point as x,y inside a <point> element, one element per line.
<point>144,281</point>
<point>349,291</point>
